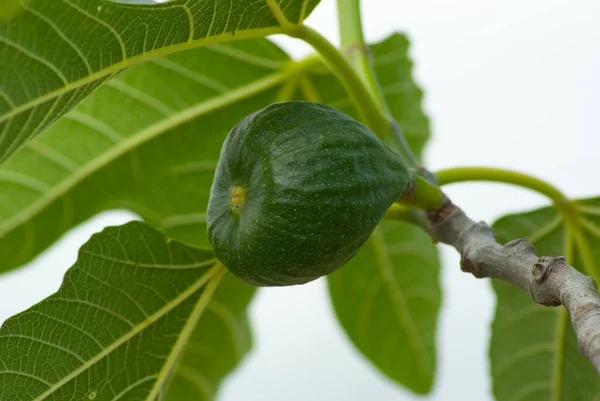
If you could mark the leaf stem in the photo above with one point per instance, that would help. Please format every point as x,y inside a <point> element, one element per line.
<point>370,112</point>
<point>354,48</point>
<point>463,174</point>
<point>358,54</point>
<point>398,212</point>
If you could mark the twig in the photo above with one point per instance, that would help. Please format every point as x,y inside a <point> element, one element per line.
<point>550,281</point>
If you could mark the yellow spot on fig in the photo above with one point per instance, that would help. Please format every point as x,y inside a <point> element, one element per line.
<point>238,198</point>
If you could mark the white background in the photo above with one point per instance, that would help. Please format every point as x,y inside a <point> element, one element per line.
<point>508,83</point>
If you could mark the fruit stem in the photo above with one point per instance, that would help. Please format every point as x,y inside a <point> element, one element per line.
<point>398,212</point>
<point>463,174</point>
<point>423,195</point>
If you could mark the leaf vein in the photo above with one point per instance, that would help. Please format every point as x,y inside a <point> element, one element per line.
<point>116,289</point>
<point>47,343</point>
<point>96,306</point>
<point>37,58</point>
<point>97,125</point>
<point>50,154</point>
<point>19,373</point>
<point>102,23</point>
<point>150,265</point>
<point>397,301</point>
<point>62,35</point>
<point>135,330</point>
<point>140,95</point>
<point>193,75</point>
<point>79,329</point>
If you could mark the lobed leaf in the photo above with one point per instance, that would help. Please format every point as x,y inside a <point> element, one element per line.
<point>533,351</point>
<point>116,327</point>
<point>55,53</point>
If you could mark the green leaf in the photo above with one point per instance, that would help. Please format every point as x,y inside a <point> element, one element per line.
<point>10,8</point>
<point>394,71</point>
<point>55,53</point>
<point>533,351</point>
<point>387,299</point>
<point>116,327</point>
<point>221,340</point>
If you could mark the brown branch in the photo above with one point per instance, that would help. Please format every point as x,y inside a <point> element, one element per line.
<point>549,280</point>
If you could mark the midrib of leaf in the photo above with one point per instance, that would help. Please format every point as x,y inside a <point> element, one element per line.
<point>139,138</point>
<point>216,271</point>
<point>587,209</point>
<point>397,300</point>
<point>545,230</point>
<point>280,16</point>
<point>216,275</point>
<point>303,10</point>
<point>131,61</point>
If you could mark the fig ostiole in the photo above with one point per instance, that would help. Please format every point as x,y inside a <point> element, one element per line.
<point>298,189</point>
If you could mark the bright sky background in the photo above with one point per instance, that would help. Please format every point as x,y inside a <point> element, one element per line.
<point>507,83</point>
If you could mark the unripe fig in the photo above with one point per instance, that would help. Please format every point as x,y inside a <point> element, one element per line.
<point>298,189</point>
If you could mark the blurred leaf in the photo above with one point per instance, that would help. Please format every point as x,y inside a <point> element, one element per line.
<point>10,8</point>
<point>55,53</point>
<point>116,327</point>
<point>533,351</point>
<point>387,299</point>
